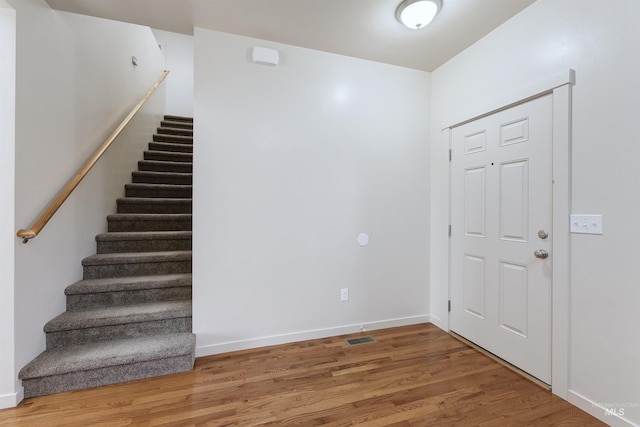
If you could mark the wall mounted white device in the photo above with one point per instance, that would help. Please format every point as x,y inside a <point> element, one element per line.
<point>265,56</point>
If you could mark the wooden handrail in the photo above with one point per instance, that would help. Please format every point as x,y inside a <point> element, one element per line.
<point>63,194</point>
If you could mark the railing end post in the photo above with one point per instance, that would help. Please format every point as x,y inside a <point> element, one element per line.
<point>26,235</point>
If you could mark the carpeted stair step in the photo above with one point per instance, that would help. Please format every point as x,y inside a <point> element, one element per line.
<point>150,177</point>
<point>114,291</point>
<point>174,131</point>
<point>175,124</point>
<point>174,139</point>
<point>118,322</point>
<point>167,146</point>
<point>148,205</point>
<point>136,264</point>
<point>171,191</point>
<point>146,241</point>
<point>168,156</point>
<point>162,166</point>
<point>149,222</point>
<point>183,119</point>
<point>109,362</point>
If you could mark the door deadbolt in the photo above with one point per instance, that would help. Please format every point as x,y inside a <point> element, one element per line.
<point>543,234</point>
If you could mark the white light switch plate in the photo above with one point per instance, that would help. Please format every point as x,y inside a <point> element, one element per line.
<point>588,224</point>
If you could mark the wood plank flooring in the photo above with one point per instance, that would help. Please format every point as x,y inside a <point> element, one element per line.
<point>412,376</point>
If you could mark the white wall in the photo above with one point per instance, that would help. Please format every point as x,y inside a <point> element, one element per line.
<point>8,386</point>
<point>178,54</point>
<point>601,44</point>
<point>74,84</point>
<point>291,164</point>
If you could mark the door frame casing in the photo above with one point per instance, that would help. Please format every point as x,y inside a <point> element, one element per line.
<point>560,86</point>
<point>10,389</point>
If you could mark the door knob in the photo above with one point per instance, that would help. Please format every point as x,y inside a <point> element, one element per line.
<point>541,253</point>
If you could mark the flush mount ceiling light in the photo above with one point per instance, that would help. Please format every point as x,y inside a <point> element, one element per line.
<point>416,14</point>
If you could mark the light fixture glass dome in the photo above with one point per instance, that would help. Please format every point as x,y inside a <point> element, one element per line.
<point>416,14</point>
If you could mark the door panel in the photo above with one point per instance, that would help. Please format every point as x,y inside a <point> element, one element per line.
<point>514,198</point>
<point>514,298</point>
<point>501,191</point>
<point>474,286</point>
<point>474,203</point>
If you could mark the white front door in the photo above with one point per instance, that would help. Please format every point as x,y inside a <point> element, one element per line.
<point>501,218</point>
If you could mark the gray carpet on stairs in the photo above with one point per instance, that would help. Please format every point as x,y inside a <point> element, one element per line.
<point>130,316</point>
<point>115,291</point>
<point>109,362</point>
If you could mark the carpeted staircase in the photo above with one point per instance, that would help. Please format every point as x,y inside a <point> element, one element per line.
<point>130,316</point>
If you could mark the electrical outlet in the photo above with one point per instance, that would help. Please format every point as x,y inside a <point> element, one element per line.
<point>344,294</point>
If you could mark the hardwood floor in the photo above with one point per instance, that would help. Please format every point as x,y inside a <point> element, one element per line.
<point>413,376</point>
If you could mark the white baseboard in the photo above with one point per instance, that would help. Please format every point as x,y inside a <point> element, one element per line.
<point>11,400</point>
<point>614,417</point>
<point>442,324</point>
<point>210,349</point>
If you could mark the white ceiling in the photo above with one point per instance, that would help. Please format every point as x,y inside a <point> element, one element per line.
<point>360,28</point>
